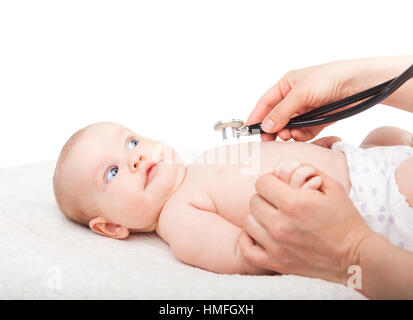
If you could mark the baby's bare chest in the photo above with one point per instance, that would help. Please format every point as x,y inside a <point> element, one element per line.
<point>222,180</point>
<point>221,189</point>
<point>226,184</point>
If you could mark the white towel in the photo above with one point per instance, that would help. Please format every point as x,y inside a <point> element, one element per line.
<point>43,255</point>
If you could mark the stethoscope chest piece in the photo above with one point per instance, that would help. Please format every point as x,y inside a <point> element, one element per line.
<point>229,129</point>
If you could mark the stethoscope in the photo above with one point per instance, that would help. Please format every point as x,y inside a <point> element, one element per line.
<point>235,127</point>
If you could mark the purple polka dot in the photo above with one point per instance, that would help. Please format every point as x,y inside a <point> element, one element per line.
<point>366,170</point>
<point>363,207</point>
<point>401,244</point>
<point>393,163</point>
<point>382,209</point>
<point>360,188</point>
<point>352,168</point>
<point>364,154</point>
<point>391,219</point>
<point>408,154</point>
<point>383,172</point>
<point>381,218</point>
<point>374,191</point>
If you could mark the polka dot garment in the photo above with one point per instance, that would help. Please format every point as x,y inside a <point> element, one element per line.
<point>375,193</point>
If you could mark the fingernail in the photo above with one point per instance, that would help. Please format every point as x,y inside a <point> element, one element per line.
<point>313,182</point>
<point>268,125</point>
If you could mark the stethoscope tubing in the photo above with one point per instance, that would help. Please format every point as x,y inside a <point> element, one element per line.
<point>318,116</point>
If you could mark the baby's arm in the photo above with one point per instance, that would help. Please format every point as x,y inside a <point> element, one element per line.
<point>387,136</point>
<point>204,239</point>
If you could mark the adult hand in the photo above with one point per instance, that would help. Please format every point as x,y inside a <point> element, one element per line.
<point>299,91</point>
<point>314,233</point>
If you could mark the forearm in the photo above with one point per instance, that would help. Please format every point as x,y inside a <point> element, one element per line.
<point>386,269</point>
<point>203,252</point>
<point>225,258</point>
<point>368,72</point>
<point>205,239</point>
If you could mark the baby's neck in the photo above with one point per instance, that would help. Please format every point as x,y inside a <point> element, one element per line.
<point>180,179</point>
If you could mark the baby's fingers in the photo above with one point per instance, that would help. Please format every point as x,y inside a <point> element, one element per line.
<point>301,175</point>
<point>314,183</point>
<point>285,169</point>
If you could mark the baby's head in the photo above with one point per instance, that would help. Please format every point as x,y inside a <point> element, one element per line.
<point>115,181</point>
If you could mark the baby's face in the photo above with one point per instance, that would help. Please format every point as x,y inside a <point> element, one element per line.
<point>125,177</point>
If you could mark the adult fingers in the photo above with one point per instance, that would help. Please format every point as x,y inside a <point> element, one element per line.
<point>276,191</point>
<point>257,231</point>
<point>272,253</point>
<point>253,253</point>
<point>279,227</point>
<point>263,211</point>
<point>268,136</point>
<point>305,134</point>
<point>270,99</point>
<point>285,134</point>
<point>283,111</point>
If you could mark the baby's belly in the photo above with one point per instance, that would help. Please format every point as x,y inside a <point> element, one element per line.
<point>228,174</point>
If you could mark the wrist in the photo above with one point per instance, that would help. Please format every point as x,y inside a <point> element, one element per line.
<point>370,260</point>
<point>360,240</point>
<point>373,242</point>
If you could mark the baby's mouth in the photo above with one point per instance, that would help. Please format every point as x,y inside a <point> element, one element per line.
<point>150,172</point>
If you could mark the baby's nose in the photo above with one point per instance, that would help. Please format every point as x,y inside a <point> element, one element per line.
<point>135,160</point>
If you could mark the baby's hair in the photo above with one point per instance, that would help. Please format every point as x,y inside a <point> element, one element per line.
<point>65,201</point>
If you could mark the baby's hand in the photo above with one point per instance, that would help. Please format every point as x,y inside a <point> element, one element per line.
<point>298,175</point>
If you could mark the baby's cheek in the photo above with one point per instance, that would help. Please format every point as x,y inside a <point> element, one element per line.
<point>165,179</point>
<point>138,210</point>
<point>131,204</point>
<point>120,209</point>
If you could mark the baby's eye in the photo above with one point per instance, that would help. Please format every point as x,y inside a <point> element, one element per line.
<point>111,174</point>
<point>132,143</point>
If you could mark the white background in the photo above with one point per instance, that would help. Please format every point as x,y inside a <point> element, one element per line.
<point>170,69</point>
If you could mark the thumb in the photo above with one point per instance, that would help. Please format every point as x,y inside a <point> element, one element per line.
<point>283,111</point>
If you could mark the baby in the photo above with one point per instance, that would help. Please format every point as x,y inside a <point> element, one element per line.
<point>117,182</point>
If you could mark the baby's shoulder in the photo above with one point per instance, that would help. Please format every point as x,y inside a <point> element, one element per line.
<point>190,193</point>
<point>184,202</point>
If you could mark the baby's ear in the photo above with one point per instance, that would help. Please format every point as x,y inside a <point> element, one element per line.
<point>106,228</point>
